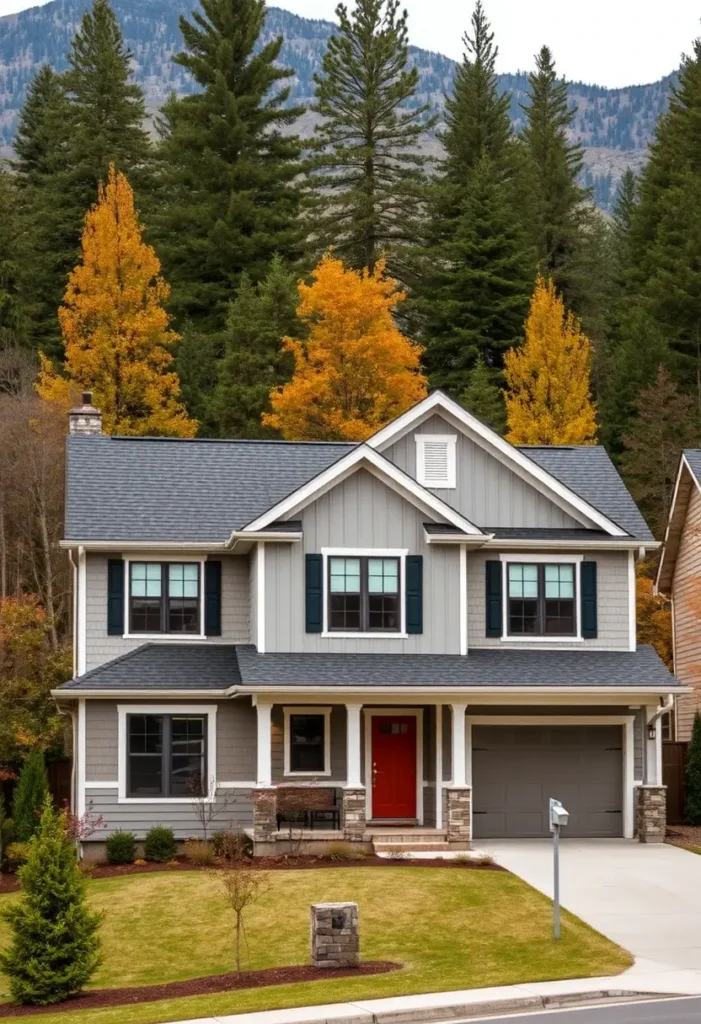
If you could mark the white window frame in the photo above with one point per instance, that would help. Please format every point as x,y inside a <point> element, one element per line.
<point>314,709</point>
<point>164,637</point>
<point>401,554</point>
<point>123,710</point>
<point>451,440</point>
<point>525,558</point>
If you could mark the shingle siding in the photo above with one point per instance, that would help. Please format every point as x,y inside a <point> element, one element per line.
<point>687,631</point>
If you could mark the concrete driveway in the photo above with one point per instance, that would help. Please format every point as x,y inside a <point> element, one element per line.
<point>645,898</point>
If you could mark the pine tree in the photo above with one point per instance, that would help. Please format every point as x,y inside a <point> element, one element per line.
<point>665,424</point>
<point>554,165</point>
<point>477,283</point>
<point>255,362</point>
<point>30,796</point>
<point>692,775</point>
<point>368,174</point>
<point>13,327</point>
<point>55,947</point>
<point>548,399</point>
<point>115,327</point>
<point>484,399</point>
<point>356,371</point>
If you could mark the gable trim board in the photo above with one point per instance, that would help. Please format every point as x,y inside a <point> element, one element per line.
<point>366,458</point>
<point>501,450</point>
<point>686,481</point>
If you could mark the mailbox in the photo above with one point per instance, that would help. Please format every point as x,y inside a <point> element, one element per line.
<point>558,815</point>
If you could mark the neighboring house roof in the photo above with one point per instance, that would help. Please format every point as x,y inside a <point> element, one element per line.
<point>219,667</point>
<point>688,477</point>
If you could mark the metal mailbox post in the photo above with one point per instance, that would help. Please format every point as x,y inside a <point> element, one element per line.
<point>558,817</point>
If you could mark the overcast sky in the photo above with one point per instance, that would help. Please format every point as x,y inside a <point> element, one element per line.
<point>606,42</point>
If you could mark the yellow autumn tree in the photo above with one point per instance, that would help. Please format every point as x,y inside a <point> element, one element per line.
<point>115,328</point>
<point>548,396</point>
<point>355,371</point>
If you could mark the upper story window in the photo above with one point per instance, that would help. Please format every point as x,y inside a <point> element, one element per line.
<point>164,597</point>
<point>363,594</point>
<point>166,756</point>
<point>436,460</point>
<point>541,599</point>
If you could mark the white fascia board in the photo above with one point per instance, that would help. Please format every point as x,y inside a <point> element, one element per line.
<point>75,694</point>
<point>438,400</point>
<point>280,536</point>
<point>141,545</point>
<point>684,468</point>
<point>384,469</point>
<point>413,694</point>
<point>614,544</point>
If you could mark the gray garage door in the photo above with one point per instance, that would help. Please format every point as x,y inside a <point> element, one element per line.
<point>515,769</point>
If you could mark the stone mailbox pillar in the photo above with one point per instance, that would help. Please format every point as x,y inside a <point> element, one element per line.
<point>335,941</point>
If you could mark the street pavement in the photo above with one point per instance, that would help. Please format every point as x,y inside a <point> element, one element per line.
<point>660,1011</point>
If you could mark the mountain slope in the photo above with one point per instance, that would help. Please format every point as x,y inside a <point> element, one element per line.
<point>615,125</point>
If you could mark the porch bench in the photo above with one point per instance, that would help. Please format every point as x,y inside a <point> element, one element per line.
<point>307,806</point>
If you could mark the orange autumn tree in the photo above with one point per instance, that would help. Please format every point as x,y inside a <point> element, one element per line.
<point>653,614</point>
<point>548,396</point>
<point>115,328</point>
<point>355,371</point>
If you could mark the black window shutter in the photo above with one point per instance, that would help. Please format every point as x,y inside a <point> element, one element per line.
<point>115,597</point>
<point>314,594</point>
<point>588,599</point>
<point>494,598</point>
<point>212,598</point>
<point>414,594</point>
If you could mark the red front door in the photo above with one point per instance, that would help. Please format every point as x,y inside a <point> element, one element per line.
<point>393,766</point>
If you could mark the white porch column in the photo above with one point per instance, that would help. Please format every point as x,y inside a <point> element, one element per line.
<point>458,746</point>
<point>653,748</point>
<point>353,778</point>
<point>439,766</point>
<point>264,773</point>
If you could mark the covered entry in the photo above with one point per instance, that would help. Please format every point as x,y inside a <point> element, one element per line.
<point>516,767</point>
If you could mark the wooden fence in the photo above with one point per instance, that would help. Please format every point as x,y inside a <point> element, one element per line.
<point>673,757</point>
<point>59,775</point>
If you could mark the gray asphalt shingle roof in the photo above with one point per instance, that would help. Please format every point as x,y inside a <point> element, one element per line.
<point>693,457</point>
<point>588,471</point>
<point>218,666</point>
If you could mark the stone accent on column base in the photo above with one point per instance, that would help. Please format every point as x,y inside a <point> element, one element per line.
<point>334,935</point>
<point>264,814</point>
<point>353,814</point>
<point>457,822</point>
<point>651,814</point>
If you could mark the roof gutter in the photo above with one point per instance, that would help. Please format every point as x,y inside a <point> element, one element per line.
<point>78,693</point>
<point>618,544</point>
<point>652,726</point>
<point>143,545</point>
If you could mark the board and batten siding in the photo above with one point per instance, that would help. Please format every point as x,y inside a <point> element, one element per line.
<point>362,512</point>
<point>488,493</point>
<point>687,633</point>
<point>612,603</point>
<point>101,648</point>
<point>236,762</point>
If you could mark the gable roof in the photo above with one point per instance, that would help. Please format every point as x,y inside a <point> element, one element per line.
<point>688,478</point>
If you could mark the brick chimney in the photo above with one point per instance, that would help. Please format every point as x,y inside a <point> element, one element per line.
<point>85,419</point>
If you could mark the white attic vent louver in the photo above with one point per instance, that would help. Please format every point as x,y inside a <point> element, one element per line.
<point>435,460</point>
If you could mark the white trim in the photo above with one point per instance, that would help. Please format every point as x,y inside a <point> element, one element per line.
<point>142,545</point>
<point>315,709</point>
<point>379,466</point>
<point>462,610</point>
<point>439,765</point>
<point>250,784</point>
<point>632,605</point>
<point>625,721</point>
<point>82,611</point>
<point>438,400</point>
<point>210,710</point>
<point>564,559</point>
<point>260,597</point>
<point>458,747</point>
<point>683,465</point>
<point>160,560</point>
<point>264,752</point>
<point>449,482</point>
<point>353,746</point>
<point>401,554</point>
<point>82,756</point>
<point>391,712</point>
<point>102,785</point>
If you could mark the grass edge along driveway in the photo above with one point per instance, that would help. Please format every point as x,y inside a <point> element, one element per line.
<point>450,928</point>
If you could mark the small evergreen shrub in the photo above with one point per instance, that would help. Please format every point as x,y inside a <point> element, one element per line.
<point>120,848</point>
<point>692,775</point>
<point>30,796</point>
<point>55,948</point>
<point>199,852</point>
<point>160,844</point>
<point>17,853</point>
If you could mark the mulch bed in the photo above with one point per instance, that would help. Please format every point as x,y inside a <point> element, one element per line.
<point>199,987</point>
<point>683,835</point>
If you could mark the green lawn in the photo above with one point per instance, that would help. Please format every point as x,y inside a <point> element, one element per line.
<point>450,928</point>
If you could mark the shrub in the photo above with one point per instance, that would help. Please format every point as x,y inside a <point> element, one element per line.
<point>120,848</point>
<point>160,844</point>
<point>17,853</point>
<point>199,852</point>
<point>55,947</point>
<point>30,795</point>
<point>232,846</point>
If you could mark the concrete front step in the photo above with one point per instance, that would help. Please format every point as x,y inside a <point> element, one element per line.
<point>438,847</point>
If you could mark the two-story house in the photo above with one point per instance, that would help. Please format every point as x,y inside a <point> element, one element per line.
<point>434,624</point>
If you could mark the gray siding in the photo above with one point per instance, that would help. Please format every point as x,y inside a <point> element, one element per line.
<point>237,813</point>
<point>488,493</point>
<point>101,647</point>
<point>612,601</point>
<point>361,512</point>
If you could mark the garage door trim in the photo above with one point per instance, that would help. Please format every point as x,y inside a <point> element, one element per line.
<point>628,746</point>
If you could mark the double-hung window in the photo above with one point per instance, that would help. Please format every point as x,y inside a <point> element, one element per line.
<point>166,756</point>
<point>541,599</point>
<point>307,741</point>
<point>364,594</point>
<point>164,597</point>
